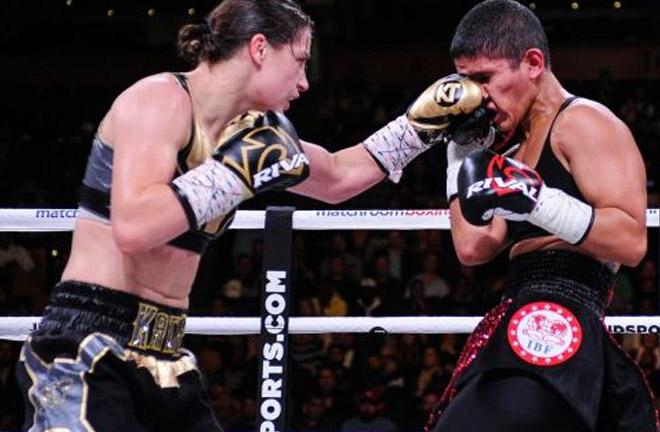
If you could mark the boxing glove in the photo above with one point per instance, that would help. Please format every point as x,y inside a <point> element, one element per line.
<point>445,108</point>
<point>494,185</point>
<point>257,151</point>
<point>451,108</point>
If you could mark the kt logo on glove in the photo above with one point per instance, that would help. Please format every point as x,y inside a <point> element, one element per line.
<point>448,93</point>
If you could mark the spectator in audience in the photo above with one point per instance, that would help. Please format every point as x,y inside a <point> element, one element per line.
<point>448,351</point>
<point>368,301</point>
<point>390,289</point>
<point>647,353</point>
<point>409,347</point>
<point>370,415</point>
<point>352,264</point>
<point>248,421</point>
<point>428,401</point>
<point>249,277</point>
<point>623,298</point>
<point>211,362</point>
<point>340,279</point>
<point>397,385</point>
<point>313,416</point>
<point>304,278</point>
<point>493,291</point>
<point>307,306</point>
<point>349,342</point>
<point>335,358</point>
<point>417,304</point>
<point>332,302</point>
<point>224,404</point>
<point>397,254</point>
<point>336,398</point>
<point>462,298</point>
<point>436,287</point>
<point>431,375</point>
<point>306,355</point>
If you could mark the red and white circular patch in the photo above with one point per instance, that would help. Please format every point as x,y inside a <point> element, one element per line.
<point>544,333</point>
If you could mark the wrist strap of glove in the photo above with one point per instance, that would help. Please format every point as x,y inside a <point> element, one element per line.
<point>563,215</point>
<point>456,153</point>
<point>452,181</point>
<point>395,146</point>
<point>208,191</point>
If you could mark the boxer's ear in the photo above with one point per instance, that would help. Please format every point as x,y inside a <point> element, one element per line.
<point>534,62</point>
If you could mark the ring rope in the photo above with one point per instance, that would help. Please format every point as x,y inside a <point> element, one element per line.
<point>49,220</point>
<point>17,328</point>
<point>44,220</point>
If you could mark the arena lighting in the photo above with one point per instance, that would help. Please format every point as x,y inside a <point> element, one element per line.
<point>110,13</point>
<point>617,5</point>
<point>68,2</point>
<point>151,12</point>
<point>575,5</point>
<point>191,11</point>
<point>532,6</point>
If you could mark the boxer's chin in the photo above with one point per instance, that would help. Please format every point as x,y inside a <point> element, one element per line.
<point>503,123</point>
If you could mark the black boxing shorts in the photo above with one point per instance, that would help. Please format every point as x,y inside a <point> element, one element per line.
<point>107,361</point>
<point>550,328</point>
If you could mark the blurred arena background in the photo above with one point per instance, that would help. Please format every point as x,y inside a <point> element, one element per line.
<point>64,61</point>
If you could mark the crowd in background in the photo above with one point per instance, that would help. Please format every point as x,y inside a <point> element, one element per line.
<point>343,382</point>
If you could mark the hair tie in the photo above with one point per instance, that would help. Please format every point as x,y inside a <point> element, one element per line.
<point>204,27</point>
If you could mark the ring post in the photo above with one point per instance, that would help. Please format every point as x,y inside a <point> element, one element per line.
<point>273,367</point>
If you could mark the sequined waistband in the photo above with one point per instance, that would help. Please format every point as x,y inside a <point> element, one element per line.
<point>79,308</point>
<point>561,273</point>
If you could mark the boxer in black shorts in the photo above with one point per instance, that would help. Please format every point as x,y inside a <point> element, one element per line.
<point>547,349</point>
<point>566,197</point>
<point>164,176</point>
<point>109,360</point>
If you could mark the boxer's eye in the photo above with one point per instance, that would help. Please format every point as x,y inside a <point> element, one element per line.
<point>481,78</point>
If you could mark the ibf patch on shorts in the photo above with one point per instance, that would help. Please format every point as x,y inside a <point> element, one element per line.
<point>544,334</point>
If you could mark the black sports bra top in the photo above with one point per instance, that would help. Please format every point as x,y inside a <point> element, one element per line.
<point>94,202</point>
<point>554,175</point>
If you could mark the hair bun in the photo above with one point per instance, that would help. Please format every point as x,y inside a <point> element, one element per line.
<point>204,28</point>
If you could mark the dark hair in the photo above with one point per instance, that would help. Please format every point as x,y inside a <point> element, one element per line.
<point>233,23</point>
<point>499,29</point>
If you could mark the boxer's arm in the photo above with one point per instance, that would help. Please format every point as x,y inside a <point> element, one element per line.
<point>336,177</point>
<point>449,109</point>
<point>476,245</point>
<point>446,110</point>
<point>147,134</point>
<point>609,171</point>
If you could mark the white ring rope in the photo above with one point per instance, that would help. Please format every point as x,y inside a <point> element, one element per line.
<point>47,220</point>
<point>17,328</point>
<point>42,220</point>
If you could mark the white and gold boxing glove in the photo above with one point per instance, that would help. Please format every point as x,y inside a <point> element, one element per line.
<point>432,118</point>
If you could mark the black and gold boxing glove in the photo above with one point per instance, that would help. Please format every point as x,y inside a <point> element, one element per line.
<point>450,109</point>
<point>258,151</point>
<point>264,151</point>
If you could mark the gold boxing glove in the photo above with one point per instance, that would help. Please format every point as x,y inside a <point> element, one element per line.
<point>450,106</point>
<point>450,109</point>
